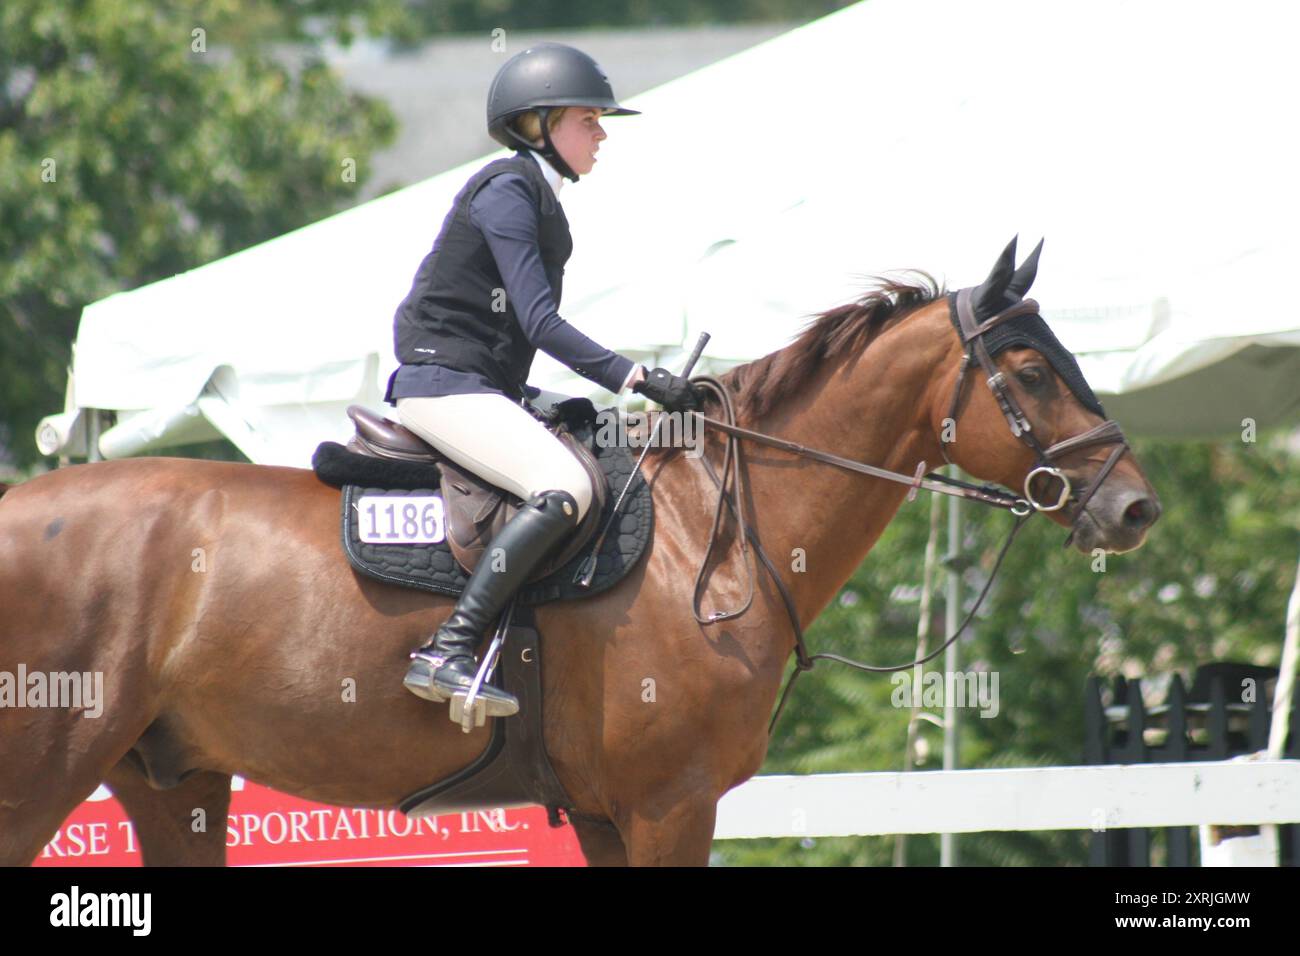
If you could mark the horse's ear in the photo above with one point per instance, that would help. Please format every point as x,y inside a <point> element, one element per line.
<point>1023,277</point>
<point>989,292</point>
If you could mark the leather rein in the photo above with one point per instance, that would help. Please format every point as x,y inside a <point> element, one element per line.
<point>975,350</point>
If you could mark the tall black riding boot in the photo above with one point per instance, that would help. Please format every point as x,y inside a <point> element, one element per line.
<point>447,665</point>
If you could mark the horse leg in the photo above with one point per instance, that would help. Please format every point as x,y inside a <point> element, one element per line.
<point>169,826</point>
<point>679,835</point>
<point>52,760</point>
<point>600,842</point>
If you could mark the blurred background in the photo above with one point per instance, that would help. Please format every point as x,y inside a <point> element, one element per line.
<point>140,140</point>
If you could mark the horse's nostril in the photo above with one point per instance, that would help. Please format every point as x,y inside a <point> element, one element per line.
<point>1141,513</point>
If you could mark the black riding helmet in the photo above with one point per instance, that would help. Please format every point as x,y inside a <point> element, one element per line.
<point>543,77</point>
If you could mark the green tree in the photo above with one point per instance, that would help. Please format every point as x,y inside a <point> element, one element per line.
<point>139,139</point>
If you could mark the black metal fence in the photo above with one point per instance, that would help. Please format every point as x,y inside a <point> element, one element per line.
<point>1225,714</point>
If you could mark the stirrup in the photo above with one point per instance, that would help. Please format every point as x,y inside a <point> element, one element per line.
<point>419,676</point>
<point>470,705</point>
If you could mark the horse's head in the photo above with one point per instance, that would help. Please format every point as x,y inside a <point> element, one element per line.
<point>1020,431</point>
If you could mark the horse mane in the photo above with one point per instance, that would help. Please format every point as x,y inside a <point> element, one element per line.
<point>830,336</point>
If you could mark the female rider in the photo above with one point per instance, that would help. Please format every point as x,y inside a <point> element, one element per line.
<point>482,303</point>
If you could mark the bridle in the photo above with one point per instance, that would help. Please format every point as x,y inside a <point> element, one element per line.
<point>1108,432</point>
<point>971,333</point>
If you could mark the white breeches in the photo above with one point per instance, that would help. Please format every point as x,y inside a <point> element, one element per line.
<point>497,440</point>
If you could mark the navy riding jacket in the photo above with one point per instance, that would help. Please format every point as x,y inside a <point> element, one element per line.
<point>455,333</point>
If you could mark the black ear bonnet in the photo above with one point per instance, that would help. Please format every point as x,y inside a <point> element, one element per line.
<point>1005,288</point>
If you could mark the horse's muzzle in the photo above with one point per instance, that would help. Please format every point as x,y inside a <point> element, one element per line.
<point>1116,519</point>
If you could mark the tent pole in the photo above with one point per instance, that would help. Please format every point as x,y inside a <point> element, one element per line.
<point>1286,675</point>
<point>922,648</point>
<point>952,656</point>
<point>1282,697</point>
<point>93,425</point>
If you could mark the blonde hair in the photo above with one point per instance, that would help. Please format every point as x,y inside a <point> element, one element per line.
<point>529,125</point>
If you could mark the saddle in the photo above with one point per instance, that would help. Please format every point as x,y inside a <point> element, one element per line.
<point>383,459</point>
<point>475,510</point>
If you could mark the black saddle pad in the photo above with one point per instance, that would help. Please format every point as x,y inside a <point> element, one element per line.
<point>432,567</point>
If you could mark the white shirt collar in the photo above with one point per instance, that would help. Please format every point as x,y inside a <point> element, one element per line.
<point>550,172</point>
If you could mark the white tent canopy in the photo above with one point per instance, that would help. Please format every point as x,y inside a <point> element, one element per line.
<point>1152,144</point>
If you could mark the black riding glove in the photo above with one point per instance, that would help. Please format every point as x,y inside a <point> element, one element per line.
<point>671,391</point>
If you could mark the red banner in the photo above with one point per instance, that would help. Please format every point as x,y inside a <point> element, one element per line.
<point>269,828</point>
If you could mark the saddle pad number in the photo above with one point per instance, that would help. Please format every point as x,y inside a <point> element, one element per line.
<point>409,519</point>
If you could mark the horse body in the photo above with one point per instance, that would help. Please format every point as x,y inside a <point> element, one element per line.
<point>229,627</point>
<point>235,638</point>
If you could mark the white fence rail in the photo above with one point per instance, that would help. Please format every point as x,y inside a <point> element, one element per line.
<point>1039,798</point>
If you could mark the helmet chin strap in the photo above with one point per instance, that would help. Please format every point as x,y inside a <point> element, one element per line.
<point>548,148</point>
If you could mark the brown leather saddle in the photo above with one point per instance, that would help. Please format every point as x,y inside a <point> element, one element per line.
<point>476,510</point>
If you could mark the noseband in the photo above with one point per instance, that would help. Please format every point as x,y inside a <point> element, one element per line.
<point>1108,432</point>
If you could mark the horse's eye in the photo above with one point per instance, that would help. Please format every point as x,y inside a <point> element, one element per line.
<point>1030,377</point>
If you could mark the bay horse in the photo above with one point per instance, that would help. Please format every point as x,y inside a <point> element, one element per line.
<point>215,599</point>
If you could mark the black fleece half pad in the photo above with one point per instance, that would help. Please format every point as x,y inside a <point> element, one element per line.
<point>431,567</point>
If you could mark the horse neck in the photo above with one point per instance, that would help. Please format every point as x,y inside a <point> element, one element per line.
<point>877,409</point>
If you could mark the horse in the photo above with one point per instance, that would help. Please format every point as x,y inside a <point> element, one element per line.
<point>216,601</point>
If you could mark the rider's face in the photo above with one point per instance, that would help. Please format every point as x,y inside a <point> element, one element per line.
<point>577,136</point>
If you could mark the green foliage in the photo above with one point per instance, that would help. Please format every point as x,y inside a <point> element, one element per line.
<point>1211,583</point>
<point>132,149</point>
<point>427,17</point>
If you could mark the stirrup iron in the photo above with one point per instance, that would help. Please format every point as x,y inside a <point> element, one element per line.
<point>468,709</point>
